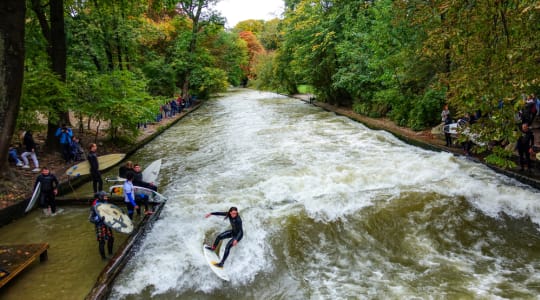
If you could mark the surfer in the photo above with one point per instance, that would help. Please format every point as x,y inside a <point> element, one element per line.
<point>97,182</point>
<point>129,198</point>
<point>103,232</point>
<point>49,189</point>
<point>235,234</point>
<point>138,180</point>
<point>123,170</point>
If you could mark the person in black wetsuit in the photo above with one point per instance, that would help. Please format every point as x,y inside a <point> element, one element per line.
<point>235,234</point>
<point>122,171</point>
<point>103,232</point>
<point>97,182</point>
<point>49,189</point>
<point>138,180</point>
<point>524,146</point>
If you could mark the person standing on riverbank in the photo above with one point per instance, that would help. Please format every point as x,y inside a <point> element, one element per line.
<point>49,189</point>
<point>103,232</point>
<point>97,182</point>
<point>65,134</point>
<point>447,120</point>
<point>524,146</point>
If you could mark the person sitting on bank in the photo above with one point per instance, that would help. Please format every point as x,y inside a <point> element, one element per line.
<point>12,152</point>
<point>30,150</point>
<point>103,232</point>
<point>77,151</point>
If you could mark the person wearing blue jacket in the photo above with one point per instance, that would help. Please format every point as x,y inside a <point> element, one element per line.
<point>129,195</point>
<point>65,134</point>
<point>235,233</point>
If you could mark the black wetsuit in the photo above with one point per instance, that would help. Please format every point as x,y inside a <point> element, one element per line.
<point>236,233</point>
<point>103,232</point>
<point>97,182</point>
<point>48,184</point>
<point>142,199</point>
<point>524,143</point>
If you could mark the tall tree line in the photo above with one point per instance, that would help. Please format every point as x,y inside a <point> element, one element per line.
<point>404,59</point>
<point>113,61</point>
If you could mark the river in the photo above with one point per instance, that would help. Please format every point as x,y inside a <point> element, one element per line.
<point>331,210</point>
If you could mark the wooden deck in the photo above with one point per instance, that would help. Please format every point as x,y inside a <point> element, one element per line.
<point>15,258</point>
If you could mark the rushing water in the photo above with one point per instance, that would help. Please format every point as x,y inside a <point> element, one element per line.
<point>331,210</point>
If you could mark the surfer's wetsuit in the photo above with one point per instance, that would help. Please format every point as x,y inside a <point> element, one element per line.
<point>48,184</point>
<point>103,232</point>
<point>97,182</point>
<point>236,233</point>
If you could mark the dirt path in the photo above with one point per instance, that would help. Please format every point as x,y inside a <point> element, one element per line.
<point>23,179</point>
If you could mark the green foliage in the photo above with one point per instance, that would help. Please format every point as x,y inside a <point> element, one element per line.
<point>306,89</point>
<point>426,111</point>
<point>43,95</point>
<point>500,157</point>
<point>119,98</point>
<point>208,81</point>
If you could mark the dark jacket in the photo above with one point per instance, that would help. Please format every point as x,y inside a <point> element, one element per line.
<point>525,141</point>
<point>28,142</point>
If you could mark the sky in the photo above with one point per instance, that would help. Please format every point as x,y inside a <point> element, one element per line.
<point>240,10</point>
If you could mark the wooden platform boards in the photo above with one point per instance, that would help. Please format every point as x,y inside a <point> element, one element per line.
<point>15,258</point>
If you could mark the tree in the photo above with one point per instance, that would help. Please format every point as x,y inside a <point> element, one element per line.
<point>200,14</point>
<point>254,50</point>
<point>52,28</point>
<point>12,13</point>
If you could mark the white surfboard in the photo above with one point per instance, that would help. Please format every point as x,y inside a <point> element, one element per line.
<point>211,258</point>
<point>34,198</point>
<point>153,196</point>
<point>114,217</point>
<point>151,172</point>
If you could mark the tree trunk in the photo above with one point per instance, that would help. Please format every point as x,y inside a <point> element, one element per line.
<point>54,33</point>
<point>12,13</point>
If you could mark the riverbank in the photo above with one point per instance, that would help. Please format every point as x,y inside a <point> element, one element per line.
<point>427,140</point>
<point>13,202</point>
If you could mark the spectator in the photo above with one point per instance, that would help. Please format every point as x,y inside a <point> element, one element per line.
<point>524,146</point>
<point>77,151</point>
<point>29,150</point>
<point>447,120</point>
<point>65,134</point>
<point>13,156</point>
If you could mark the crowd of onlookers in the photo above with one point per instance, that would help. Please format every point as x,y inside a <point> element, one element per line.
<point>70,145</point>
<point>169,109</point>
<point>525,117</point>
